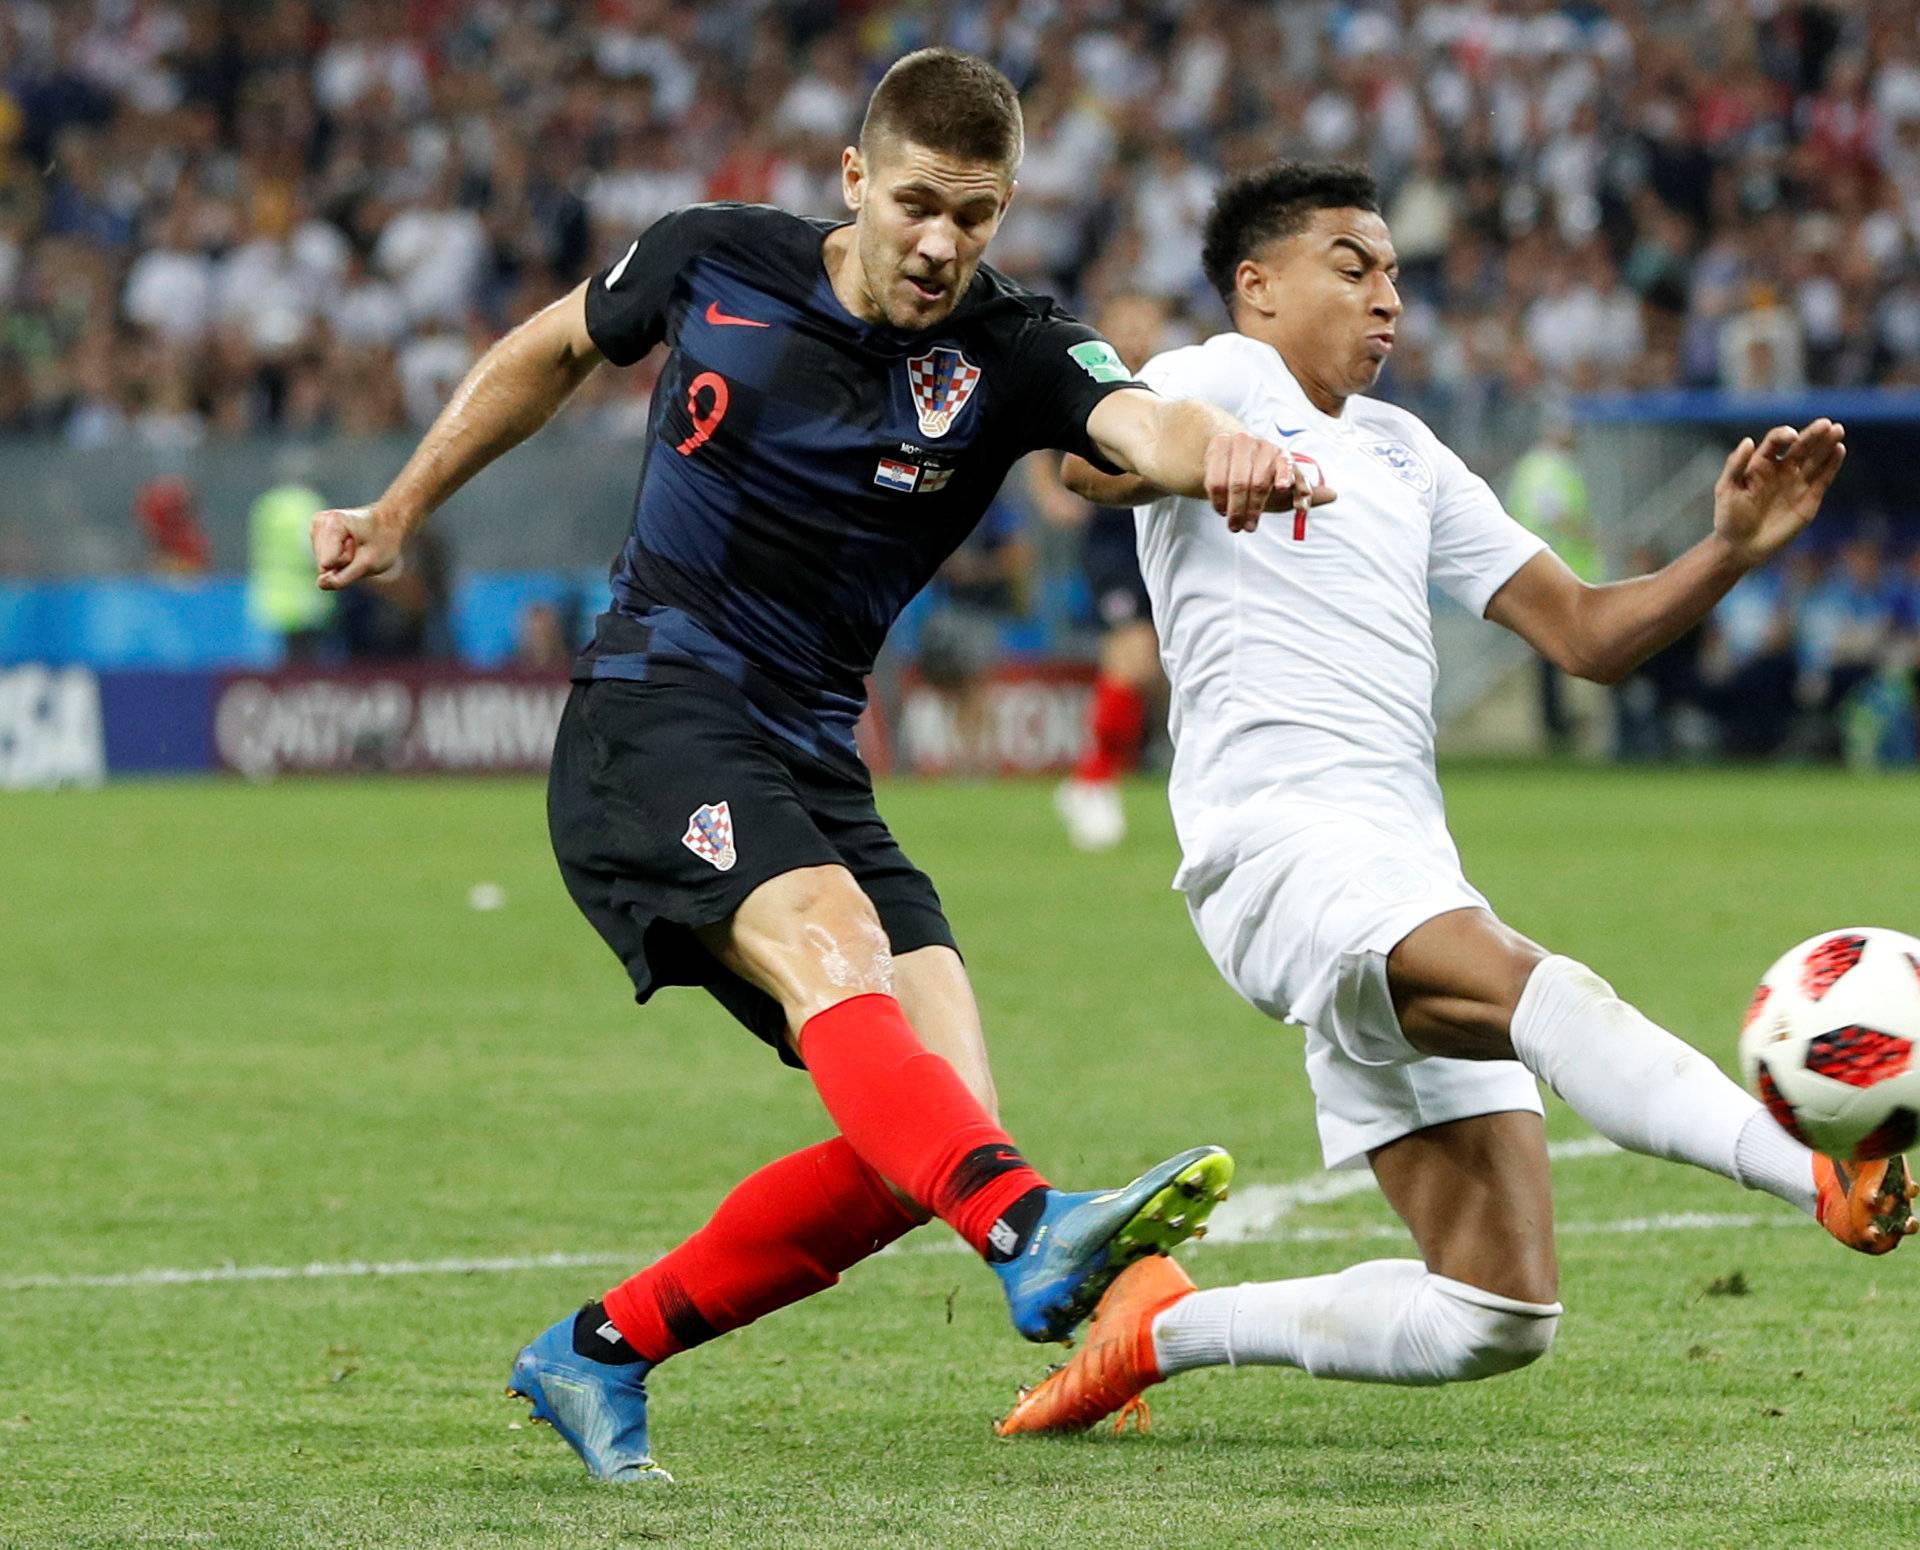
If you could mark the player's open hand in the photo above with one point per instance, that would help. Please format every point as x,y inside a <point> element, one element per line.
<point>354,543</point>
<point>1767,494</point>
<point>1246,475</point>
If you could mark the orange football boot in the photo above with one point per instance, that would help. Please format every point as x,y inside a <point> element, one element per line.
<point>1114,1366</point>
<point>1867,1206</point>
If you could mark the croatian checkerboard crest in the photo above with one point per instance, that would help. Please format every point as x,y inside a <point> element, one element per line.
<point>943,381</point>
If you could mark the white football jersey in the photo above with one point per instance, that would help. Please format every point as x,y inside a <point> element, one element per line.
<point>1301,654</point>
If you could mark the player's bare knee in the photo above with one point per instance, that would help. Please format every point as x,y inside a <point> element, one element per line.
<point>845,943</point>
<point>1519,957</point>
<point>1528,1275</point>
<point>811,939</point>
<point>1468,1013</point>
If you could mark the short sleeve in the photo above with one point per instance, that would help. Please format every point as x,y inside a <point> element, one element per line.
<point>1476,547</point>
<point>1061,370</point>
<point>627,301</point>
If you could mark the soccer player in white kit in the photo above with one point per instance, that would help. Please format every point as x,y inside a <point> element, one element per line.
<point>1317,865</point>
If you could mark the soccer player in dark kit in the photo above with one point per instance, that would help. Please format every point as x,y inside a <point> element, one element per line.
<point>838,408</point>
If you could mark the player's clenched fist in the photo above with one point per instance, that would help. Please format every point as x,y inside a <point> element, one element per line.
<point>353,543</point>
<point>1246,476</point>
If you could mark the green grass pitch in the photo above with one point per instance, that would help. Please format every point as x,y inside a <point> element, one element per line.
<point>260,1027</point>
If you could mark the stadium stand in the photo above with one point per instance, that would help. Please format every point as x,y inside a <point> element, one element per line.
<point>221,218</point>
<point>302,221</point>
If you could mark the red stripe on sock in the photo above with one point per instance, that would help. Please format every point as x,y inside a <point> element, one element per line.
<point>910,1117</point>
<point>784,1233</point>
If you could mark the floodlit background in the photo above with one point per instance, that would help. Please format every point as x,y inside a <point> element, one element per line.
<point>319,1098</point>
<point>246,250</point>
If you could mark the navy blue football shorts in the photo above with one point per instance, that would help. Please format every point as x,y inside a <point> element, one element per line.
<point>668,804</point>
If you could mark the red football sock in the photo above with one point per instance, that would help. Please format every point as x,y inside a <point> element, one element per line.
<point>911,1119</point>
<point>1116,726</point>
<point>784,1233</point>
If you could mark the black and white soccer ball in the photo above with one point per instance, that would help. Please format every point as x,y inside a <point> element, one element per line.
<point>1831,1038</point>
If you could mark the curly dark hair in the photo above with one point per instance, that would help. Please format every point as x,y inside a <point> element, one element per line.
<point>1273,202</point>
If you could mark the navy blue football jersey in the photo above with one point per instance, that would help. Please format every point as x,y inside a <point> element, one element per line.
<point>806,472</point>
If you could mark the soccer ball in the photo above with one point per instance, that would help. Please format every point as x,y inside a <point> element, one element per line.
<point>1829,1044</point>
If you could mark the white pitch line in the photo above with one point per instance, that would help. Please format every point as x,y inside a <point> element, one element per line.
<point>321,1270</point>
<point>1260,1209</point>
<point>1694,1221</point>
<point>1252,1212</point>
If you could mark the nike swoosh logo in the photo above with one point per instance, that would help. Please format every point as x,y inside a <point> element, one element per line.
<point>1281,430</point>
<point>613,274</point>
<point>721,319</point>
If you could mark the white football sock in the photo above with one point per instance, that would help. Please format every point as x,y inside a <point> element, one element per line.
<point>1387,1321</point>
<point>1767,1158</point>
<point>1641,1087</point>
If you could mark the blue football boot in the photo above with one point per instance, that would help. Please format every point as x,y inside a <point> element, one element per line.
<point>1082,1241</point>
<point>600,1408</point>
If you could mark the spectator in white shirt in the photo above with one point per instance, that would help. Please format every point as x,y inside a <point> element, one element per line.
<point>170,288</point>
<point>365,308</point>
<point>435,252</point>
<point>370,53</point>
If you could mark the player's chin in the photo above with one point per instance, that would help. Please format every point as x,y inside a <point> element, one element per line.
<point>1366,372</point>
<point>920,307</point>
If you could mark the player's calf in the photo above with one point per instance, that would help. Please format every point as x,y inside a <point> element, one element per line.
<point>782,1234</point>
<point>1388,1321</point>
<point>1632,1080</point>
<point>812,940</point>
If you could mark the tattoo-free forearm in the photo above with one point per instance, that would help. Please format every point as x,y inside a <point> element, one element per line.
<point>1174,458</point>
<point>1105,489</point>
<point>510,392</point>
<point>1624,622</point>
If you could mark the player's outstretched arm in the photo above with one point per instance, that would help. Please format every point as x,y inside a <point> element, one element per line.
<point>1057,502</point>
<point>1104,489</point>
<point>1186,446</point>
<point>1765,497</point>
<point>509,394</point>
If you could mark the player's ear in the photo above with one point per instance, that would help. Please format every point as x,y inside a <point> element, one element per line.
<point>1248,283</point>
<point>853,178</point>
<point>1251,284</point>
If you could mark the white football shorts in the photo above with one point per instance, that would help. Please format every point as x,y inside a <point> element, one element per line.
<point>1301,925</point>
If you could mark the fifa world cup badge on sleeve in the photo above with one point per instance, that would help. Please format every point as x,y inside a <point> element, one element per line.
<point>710,835</point>
<point>1097,359</point>
<point>942,381</point>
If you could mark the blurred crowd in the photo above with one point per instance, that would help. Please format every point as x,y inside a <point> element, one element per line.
<point>1812,658</point>
<point>309,215</point>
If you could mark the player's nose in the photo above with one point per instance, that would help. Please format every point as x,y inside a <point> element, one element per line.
<point>939,245</point>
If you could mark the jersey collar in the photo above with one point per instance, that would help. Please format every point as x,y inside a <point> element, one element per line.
<point>1298,403</point>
